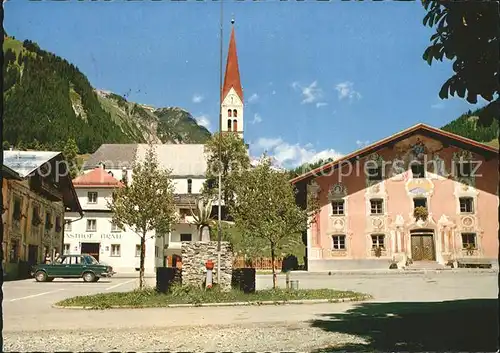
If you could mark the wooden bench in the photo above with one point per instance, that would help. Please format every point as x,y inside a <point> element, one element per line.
<point>474,262</point>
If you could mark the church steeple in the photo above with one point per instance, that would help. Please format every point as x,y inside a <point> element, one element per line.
<point>232,76</point>
<point>232,93</point>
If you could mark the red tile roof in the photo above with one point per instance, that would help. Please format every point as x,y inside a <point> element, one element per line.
<point>402,134</point>
<point>232,76</point>
<point>99,177</point>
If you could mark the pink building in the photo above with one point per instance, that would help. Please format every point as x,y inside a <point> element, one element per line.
<point>421,195</point>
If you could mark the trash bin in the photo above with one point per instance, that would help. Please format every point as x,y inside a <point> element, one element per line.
<point>243,279</point>
<point>166,277</point>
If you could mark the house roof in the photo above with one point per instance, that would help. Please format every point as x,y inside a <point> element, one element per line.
<point>27,163</point>
<point>182,159</point>
<point>114,156</point>
<point>425,129</point>
<point>8,173</point>
<point>232,75</point>
<point>98,177</point>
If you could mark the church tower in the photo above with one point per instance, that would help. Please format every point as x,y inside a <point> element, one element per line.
<point>232,93</point>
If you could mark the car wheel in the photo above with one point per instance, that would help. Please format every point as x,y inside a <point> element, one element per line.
<point>88,277</point>
<point>41,276</point>
<point>50,279</point>
<point>96,279</point>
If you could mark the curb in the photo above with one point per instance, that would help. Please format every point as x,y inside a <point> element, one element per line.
<point>254,303</point>
<point>397,272</point>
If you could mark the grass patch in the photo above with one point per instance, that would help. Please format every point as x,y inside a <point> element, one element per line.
<point>149,298</point>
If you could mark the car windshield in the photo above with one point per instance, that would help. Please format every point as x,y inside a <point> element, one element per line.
<point>92,260</point>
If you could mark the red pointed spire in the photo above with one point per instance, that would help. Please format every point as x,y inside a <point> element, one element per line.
<point>232,76</point>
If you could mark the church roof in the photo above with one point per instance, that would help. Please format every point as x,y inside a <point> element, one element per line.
<point>183,160</point>
<point>99,177</point>
<point>113,156</point>
<point>232,75</point>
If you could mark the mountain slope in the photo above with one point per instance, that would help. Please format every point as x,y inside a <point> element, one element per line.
<point>145,123</point>
<point>48,100</point>
<point>480,125</point>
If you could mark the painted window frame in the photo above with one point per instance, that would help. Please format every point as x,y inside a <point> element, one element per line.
<point>89,229</point>
<point>339,237</point>
<point>90,200</point>
<point>115,246</point>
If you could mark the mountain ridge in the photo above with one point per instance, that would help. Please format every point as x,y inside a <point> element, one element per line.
<point>49,101</point>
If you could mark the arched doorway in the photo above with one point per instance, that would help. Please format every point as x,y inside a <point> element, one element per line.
<point>422,245</point>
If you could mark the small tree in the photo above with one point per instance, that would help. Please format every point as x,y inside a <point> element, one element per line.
<point>233,158</point>
<point>147,204</point>
<point>70,152</point>
<point>266,209</point>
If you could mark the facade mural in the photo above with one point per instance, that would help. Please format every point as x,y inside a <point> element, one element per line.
<point>422,199</point>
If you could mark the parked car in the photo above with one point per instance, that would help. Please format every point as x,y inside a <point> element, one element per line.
<point>72,266</point>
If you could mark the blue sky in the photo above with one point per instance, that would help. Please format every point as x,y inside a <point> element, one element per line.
<point>319,78</point>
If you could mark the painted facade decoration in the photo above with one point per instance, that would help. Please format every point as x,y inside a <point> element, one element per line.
<point>370,223</point>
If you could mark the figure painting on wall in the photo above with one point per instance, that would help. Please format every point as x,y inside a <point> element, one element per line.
<point>439,166</point>
<point>418,149</point>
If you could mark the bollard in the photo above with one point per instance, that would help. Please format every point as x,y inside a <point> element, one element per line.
<point>209,266</point>
<point>287,279</point>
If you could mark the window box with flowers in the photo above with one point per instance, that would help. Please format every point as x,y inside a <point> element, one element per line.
<point>420,212</point>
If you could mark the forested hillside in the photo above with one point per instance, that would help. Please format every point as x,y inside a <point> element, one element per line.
<point>480,125</point>
<point>48,100</point>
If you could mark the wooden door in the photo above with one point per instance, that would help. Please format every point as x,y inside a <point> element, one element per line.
<point>422,247</point>
<point>91,249</point>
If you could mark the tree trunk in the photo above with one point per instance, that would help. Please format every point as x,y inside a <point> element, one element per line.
<point>143,255</point>
<point>272,265</point>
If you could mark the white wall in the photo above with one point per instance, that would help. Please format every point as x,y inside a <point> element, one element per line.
<point>127,261</point>
<point>237,104</point>
<point>184,229</point>
<point>103,196</point>
<point>181,185</point>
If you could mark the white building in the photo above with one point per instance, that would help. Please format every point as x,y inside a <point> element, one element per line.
<point>95,234</point>
<point>112,164</point>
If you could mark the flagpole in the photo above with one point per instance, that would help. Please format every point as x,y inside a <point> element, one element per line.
<point>219,223</point>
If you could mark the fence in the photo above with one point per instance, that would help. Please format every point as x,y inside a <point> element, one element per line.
<point>263,263</point>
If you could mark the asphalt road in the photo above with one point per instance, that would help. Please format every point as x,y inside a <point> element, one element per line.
<point>32,324</point>
<point>28,303</point>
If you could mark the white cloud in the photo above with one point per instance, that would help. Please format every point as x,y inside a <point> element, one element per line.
<point>253,98</point>
<point>203,120</point>
<point>437,106</point>
<point>291,155</point>
<point>311,93</point>
<point>346,90</point>
<point>256,119</point>
<point>198,98</point>
<point>273,92</point>
<point>321,104</point>
<point>362,144</point>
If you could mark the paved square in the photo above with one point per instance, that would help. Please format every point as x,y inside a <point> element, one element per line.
<point>30,322</point>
